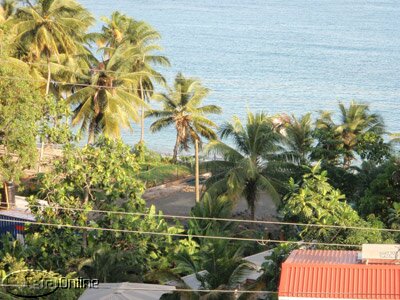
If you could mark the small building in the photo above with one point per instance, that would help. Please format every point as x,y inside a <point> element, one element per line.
<point>126,290</point>
<point>373,273</point>
<point>13,219</point>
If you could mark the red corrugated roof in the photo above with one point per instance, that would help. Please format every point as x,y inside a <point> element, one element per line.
<point>337,274</point>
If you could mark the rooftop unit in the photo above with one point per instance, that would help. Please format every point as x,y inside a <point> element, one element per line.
<point>380,254</point>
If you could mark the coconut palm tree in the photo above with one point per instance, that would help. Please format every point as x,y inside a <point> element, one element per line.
<point>182,109</point>
<point>122,30</point>
<point>249,168</point>
<point>110,265</point>
<point>218,265</point>
<point>108,103</point>
<point>329,147</point>
<point>7,9</point>
<point>112,34</point>
<point>144,39</point>
<point>340,140</point>
<point>298,139</point>
<point>356,120</point>
<point>50,28</point>
<point>47,29</point>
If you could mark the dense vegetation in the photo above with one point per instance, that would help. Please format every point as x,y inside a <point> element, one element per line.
<point>330,169</point>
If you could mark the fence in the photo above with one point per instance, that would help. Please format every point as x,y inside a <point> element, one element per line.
<point>15,228</point>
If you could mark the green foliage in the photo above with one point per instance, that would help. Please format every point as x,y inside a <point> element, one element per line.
<point>54,125</point>
<point>382,191</point>
<point>210,207</point>
<point>394,215</point>
<point>329,147</point>
<point>49,28</point>
<point>18,125</point>
<point>22,275</point>
<point>315,201</point>
<point>250,168</point>
<point>182,109</point>
<point>101,177</point>
<point>107,104</point>
<point>273,265</point>
<point>371,146</point>
<point>218,264</point>
<point>358,133</point>
<point>298,139</point>
<point>109,176</point>
<point>159,173</point>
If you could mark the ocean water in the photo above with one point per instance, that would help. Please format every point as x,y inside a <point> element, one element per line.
<point>276,56</point>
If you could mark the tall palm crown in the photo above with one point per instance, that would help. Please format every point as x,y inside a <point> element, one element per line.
<point>142,39</point>
<point>182,108</point>
<point>355,121</point>
<point>218,265</point>
<point>107,104</point>
<point>7,9</point>
<point>298,139</point>
<point>113,31</point>
<point>250,168</point>
<point>50,28</point>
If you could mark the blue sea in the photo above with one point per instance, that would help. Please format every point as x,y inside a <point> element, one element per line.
<point>276,56</point>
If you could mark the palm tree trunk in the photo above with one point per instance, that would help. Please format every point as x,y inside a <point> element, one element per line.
<point>47,92</point>
<point>142,112</point>
<point>85,233</point>
<point>175,155</point>
<point>253,212</point>
<point>48,76</point>
<point>197,185</point>
<point>91,133</point>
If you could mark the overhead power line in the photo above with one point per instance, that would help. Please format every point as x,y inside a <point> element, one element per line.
<point>94,69</point>
<point>90,69</point>
<point>164,288</point>
<point>182,235</point>
<point>259,222</point>
<point>99,86</point>
<point>238,291</point>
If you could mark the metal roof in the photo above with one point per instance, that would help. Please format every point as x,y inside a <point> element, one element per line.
<point>322,257</point>
<point>332,274</point>
<point>21,209</point>
<point>125,291</point>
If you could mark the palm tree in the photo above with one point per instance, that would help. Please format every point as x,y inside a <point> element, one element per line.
<point>144,38</point>
<point>329,146</point>
<point>340,140</point>
<point>251,167</point>
<point>355,121</point>
<point>7,9</point>
<point>218,265</point>
<point>108,103</point>
<point>182,108</point>
<point>50,28</point>
<point>110,265</point>
<point>298,139</point>
<point>394,214</point>
<point>113,32</point>
<point>119,30</point>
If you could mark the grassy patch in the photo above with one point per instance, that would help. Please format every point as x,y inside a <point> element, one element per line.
<point>154,175</point>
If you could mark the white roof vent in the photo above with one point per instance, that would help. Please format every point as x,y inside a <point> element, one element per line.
<point>380,253</point>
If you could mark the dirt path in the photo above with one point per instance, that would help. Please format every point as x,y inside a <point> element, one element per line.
<point>178,199</point>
